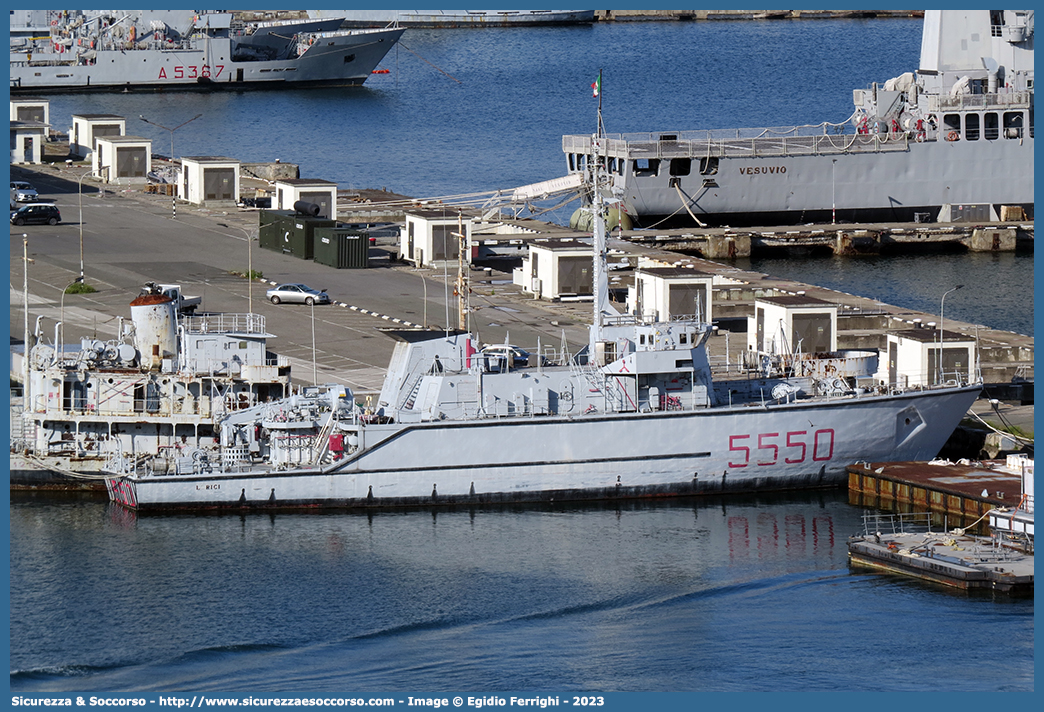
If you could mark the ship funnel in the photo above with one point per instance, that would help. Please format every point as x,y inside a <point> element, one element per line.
<point>303,207</point>
<point>154,317</point>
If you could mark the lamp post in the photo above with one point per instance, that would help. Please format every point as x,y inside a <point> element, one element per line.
<point>833,202</point>
<point>942,334</point>
<point>173,199</point>
<point>315,377</point>
<point>79,190</point>
<point>61,312</point>
<point>25,306</point>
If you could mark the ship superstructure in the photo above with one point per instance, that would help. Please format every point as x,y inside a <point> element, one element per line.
<point>154,393</point>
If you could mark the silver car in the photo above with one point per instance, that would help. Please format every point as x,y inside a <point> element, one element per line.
<point>297,294</point>
<point>22,192</point>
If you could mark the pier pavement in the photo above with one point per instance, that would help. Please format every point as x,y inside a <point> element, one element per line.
<point>129,237</point>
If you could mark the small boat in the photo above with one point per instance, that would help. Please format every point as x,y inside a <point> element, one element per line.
<point>137,50</point>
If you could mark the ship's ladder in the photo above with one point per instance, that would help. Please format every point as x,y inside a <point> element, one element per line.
<point>321,444</point>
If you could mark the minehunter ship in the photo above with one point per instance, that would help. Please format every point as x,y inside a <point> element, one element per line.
<point>133,50</point>
<point>636,413</point>
<point>952,141</point>
<point>155,392</point>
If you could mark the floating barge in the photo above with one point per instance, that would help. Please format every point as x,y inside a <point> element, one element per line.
<point>966,489</point>
<point>905,544</point>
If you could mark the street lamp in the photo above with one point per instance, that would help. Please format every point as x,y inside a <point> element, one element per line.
<point>25,305</point>
<point>61,313</point>
<point>79,190</point>
<point>173,204</point>
<point>942,334</point>
<point>833,202</point>
<point>315,377</point>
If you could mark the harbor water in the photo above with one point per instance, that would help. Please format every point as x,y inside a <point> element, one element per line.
<point>711,594</point>
<point>697,595</point>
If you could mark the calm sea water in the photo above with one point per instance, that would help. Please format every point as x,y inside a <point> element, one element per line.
<point>738,594</point>
<point>711,594</point>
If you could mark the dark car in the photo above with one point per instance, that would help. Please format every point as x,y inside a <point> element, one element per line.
<point>36,213</point>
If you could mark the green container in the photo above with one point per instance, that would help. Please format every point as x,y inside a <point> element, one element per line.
<point>274,226</point>
<point>342,248</point>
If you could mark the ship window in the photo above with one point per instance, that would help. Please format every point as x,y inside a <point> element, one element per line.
<point>348,58</point>
<point>990,126</point>
<point>971,127</point>
<point>681,166</point>
<point>997,23</point>
<point>646,166</point>
<point>952,122</point>
<point>683,338</point>
<point>1012,124</point>
<point>708,166</point>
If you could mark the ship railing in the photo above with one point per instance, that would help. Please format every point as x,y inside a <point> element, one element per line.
<point>122,464</point>
<point>1013,100</point>
<point>900,523</point>
<point>225,323</point>
<point>765,145</point>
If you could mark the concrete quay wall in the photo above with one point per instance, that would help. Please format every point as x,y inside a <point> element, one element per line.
<point>703,15</point>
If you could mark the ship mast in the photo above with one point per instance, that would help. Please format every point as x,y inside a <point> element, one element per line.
<point>595,165</point>
<point>463,287</point>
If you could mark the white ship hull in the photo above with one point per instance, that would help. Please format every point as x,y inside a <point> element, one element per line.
<point>585,458</point>
<point>306,54</point>
<point>895,184</point>
<point>950,142</point>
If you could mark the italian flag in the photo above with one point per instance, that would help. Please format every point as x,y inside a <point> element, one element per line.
<point>597,86</point>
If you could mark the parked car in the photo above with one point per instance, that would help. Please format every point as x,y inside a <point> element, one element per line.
<point>297,294</point>
<point>37,213</point>
<point>22,192</point>
<point>500,357</point>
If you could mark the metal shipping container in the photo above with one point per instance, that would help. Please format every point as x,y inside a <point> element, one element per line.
<point>274,226</point>
<point>342,248</point>
<point>295,233</point>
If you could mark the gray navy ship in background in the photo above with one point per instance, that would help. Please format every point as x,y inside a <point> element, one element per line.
<point>117,50</point>
<point>952,141</point>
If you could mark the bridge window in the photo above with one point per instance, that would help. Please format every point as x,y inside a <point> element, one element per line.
<point>990,126</point>
<point>971,127</point>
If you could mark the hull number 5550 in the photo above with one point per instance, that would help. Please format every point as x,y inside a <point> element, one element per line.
<point>794,447</point>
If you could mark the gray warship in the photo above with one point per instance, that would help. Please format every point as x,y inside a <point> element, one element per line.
<point>637,412</point>
<point>952,141</point>
<point>134,50</point>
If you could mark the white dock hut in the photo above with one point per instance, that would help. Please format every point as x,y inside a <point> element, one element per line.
<point>27,140</point>
<point>319,192</point>
<point>556,269</point>
<point>792,324</point>
<point>123,160</point>
<point>926,357</point>
<point>660,293</point>
<point>430,238</point>
<point>30,108</point>
<point>88,127</point>
<point>209,179</point>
